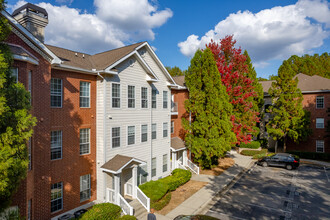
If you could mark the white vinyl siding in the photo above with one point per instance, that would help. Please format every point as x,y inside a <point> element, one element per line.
<point>320,123</point>
<point>84,99</point>
<point>56,93</point>
<point>115,137</point>
<point>320,146</point>
<point>144,133</point>
<point>55,145</point>
<point>130,135</point>
<point>131,96</point>
<point>319,102</point>
<point>144,97</point>
<point>115,95</point>
<point>85,187</point>
<point>84,141</point>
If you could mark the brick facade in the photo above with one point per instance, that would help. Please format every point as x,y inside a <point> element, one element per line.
<point>70,119</point>
<point>179,98</point>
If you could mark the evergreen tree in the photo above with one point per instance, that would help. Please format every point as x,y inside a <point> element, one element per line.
<point>289,120</point>
<point>15,123</point>
<point>210,133</point>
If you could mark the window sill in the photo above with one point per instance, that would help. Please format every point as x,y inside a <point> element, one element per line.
<point>85,154</point>
<point>56,159</point>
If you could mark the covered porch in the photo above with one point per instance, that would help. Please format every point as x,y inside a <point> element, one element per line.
<point>121,182</point>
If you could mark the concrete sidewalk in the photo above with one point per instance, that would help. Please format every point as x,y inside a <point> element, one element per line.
<point>197,202</point>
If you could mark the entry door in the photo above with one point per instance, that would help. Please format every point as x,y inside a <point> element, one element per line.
<point>129,189</point>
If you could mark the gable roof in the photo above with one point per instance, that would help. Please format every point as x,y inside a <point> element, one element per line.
<point>306,84</point>
<point>177,144</point>
<point>118,163</point>
<point>179,80</point>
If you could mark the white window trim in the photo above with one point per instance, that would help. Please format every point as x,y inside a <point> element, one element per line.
<point>165,100</point>
<point>134,135</point>
<point>120,144</point>
<point>89,93</point>
<point>89,141</point>
<point>165,163</point>
<point>153,131</point>
<point>144,99</point>
<point>320,141</point>
<point>61,198</point>
<point>131,98</point>
<point>144,133</point>
<point>152,90</point>
<point>172,127</point>
<point>154,167</point>
<point>316,102</point>
<point>61,147</point>
<point>316,123</point>
<point>61,94</point>
<point>16,72</point>
<point>89,183</point>
<point>166,129</point>
<point>120,92</point>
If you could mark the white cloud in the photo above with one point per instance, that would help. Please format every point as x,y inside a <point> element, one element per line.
<point>114,23</point>
<point>274,33</point>
<point>66,2</point>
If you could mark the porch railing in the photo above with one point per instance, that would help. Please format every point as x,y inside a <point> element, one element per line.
<point>127,209</point>
<point>111,195</point>
<point>179,165</point>
<point>143,199</point>
<point>193,166</point>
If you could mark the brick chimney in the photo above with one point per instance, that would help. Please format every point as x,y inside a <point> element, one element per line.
<point>33,18</point>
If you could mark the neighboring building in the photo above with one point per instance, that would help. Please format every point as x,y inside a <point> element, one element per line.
<point>122,95</point>
<point>316,100</point>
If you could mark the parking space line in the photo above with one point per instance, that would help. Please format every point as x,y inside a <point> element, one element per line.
<point>325,170</point>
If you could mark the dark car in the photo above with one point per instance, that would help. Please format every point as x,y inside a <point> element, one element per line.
<point>288,161</point>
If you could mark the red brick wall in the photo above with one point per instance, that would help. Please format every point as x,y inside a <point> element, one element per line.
<point>179,97</point>
<point>70,118</point>
<point>309,104</point>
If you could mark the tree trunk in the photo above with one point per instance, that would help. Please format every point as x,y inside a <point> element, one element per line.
<point>284,144</point>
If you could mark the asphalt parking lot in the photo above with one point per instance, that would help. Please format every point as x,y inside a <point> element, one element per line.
<point>276,193</point>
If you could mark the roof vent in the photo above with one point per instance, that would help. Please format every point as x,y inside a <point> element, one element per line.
<point>76,54</point>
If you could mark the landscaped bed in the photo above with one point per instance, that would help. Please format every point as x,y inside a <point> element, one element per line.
<point>223,164</point>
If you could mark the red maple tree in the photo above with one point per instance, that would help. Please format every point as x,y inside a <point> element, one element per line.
<point>232,67</point>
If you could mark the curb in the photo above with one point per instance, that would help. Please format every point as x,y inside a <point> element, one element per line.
<point>209,203</point>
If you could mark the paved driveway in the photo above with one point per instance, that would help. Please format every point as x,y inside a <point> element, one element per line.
<point>276,193</point>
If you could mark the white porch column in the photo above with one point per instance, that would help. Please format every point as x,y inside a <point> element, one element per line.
<point>134,176</point>
<point>173,160</point>
<point>185,158</point>
<point>117,187</point>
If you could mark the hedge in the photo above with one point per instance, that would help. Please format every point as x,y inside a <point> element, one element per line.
<point>127,217</point>
<point>252,145</point>
<point>155,190</point>
<point>311,155</point>
<point>102,211</point>
<point>253,152</point>
<point>162,202</point>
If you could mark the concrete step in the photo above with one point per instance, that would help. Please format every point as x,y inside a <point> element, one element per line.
<point>139,211</point>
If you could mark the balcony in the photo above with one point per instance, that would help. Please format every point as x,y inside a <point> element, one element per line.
<point>174,108</point>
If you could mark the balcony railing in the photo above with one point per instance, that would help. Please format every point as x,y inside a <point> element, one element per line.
<point>174,108</point>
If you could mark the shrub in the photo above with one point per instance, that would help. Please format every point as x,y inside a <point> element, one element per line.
<point>102,211</point>
<point>155,190</point>
<point>259,156</point>
<point>182,175</point>
<point>171,181</point>
<point>311,155</point>
<point>253,152</point>
<point>127,217</point>
<point>263,142</point>
<point>162,202</point>
<point>252,145</point>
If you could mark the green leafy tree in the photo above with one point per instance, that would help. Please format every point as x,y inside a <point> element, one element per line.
<point>262,79</point>
<point>289,120</point>
<point>15,123</point>
<point>175,71</point>
<point>210,133</point>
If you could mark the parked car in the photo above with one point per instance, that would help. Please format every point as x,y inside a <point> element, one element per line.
<point>194,217</point>
<point>289,161</point>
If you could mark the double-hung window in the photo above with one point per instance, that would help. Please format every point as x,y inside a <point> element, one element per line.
<point>144,97</point>
<point>85,187</point>
<point>164,162</point>
<point>154,131</point>
<point>154,99</point>
<point>115,95</point>
<point>165,129</point>
<point>84,94</point>
<point>320,123</point>
<point>55,145</point>
<point>172,127</point>
<point>131,96</point>
<point>56,197</point>
<point>84,141</point>
<point>319,102</point>
<point>14,73</point>
<point>144,133</point>
<point>56,93</point>
<point>165,101</point>
<point>130,135</point>
<point>320,146</point>
<point>115,137</point>
<point>30,153</point>
<point>153,167</point>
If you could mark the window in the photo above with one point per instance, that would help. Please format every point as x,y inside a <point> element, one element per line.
<point>143,174</point>
<point>84,141</point>
<point>55,145</point>
<point>144,133</point>
<point>172,127</point>
<point>30,84</point>
<point>165,99</point>
<point>320,123</point>
<point>154,98</point>
<point>131,96</point>
<point>130,135</point>
<point>164,162</point>
<point>56,197</point>
<point>320,146</point>
<point>84,94</point>
<point>319,102</point>
<point>153,167</point>
<point>144,97</point>
<point>154,131</point>
<point>30,153</point>
<point>85,187</point>
<point>165,128</point>
<point>14,73</point>
<point>56,93</point>
<point>115,95</point>
<point>115,137</point>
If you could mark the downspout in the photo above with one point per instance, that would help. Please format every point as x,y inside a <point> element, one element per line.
<point>151,133</point>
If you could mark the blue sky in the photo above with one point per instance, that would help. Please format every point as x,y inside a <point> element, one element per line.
<point>270,31</point>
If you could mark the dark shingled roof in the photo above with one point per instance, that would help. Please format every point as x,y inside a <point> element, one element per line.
<point>179,80</point>
<point>177,143</point>
<point>117,162</point>
<point>30,6</point>
<point>98,61</point>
